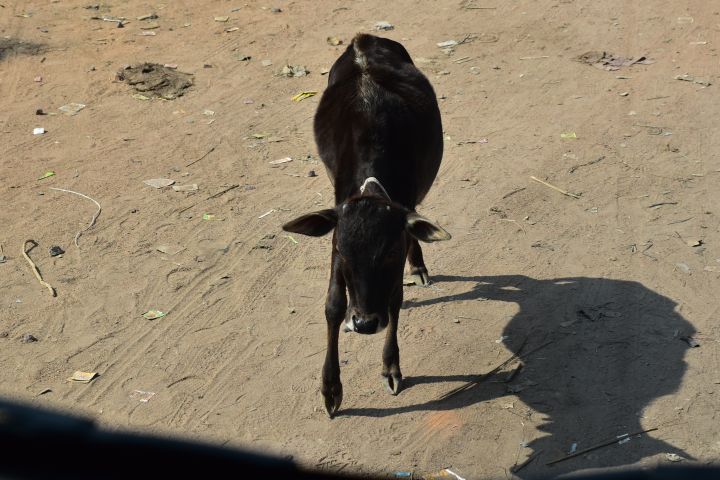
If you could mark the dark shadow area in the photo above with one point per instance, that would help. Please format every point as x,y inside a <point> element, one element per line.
<point>614,350</point>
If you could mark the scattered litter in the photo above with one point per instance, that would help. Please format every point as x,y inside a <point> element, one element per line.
<point>40,111</point>
<point>334,41</point>
<point>280,161</point>
<point>141,395</point>
<point>290,237</point>
<point>302,96</point>
<point>72,108</point>
<point>481,141</point>
<point>267,213</point>
<point>535,58</point>
<point>55,251</point>
<point>232,29</point>
<point>151,26</point>
<point>185,188</point>
<point>324,71</point>
<point>674,457</point>
<point>153,314</point>
<point>610,62</point>
<point>28,338</point>
<point>403,475</point>
<point>208,113</point>
<point>222,19</point>
<point>698,43</point>
<point>25,252</point>
<point>38,79</point>
<point>38,131</point>
<point>294,71</point>
<point>149,16</point>
<point>212,149</point>
<point>121,21</point>
<point>502,339</point>
<point>266,63</point>
<point>147,33</point>
<point>555,188</point>
<point>448,44</point>
<point>311,174</point>
<point>156,80</point>
<point>208,216</point>
<point>83,377</point>
<point>660,204</point>
<point>685,20</point>
<point>573,448</point>
<point>690,341</point>
<point>172,66</point>
<point>47,174</point>
<point>568,135</point>
<point>140,96</point>
<point>170,249</point>
<point>44,391</point>
<point>694,243</point>
<point>159,182</point>
<point>384,26</point>
<point>690,78</point>
<point>244,58</point>
<point>624,94</point>
<point>683,267</point>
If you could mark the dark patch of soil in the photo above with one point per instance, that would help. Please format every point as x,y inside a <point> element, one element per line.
<point>156,80</point>
<point>10,46</point>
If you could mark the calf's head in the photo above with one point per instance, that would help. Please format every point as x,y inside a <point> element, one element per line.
<point>370,243</point>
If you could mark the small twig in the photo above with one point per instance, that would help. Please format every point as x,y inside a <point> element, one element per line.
<point>34,267</point>
<point>535,58</point>
<point>671,223</point>
<point>572,169</point>
<point>517,190</point>
<point>658,98</point>
<point>231,187</point>
<point>92,222</point>
<point>313,354</point>
<point>516,468</point>
<point>601,445</point>
<point>555,188</point>
<point>660,204</point>
<point>206,154</point>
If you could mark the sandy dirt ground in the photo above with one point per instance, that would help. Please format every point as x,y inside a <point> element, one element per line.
<point>609,282</point>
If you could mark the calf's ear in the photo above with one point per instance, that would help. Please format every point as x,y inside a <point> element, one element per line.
<point>424,230</point>
<point>314,224</point>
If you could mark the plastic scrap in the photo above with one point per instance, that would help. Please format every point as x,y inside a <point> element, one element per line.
<point>72,108</point>
<point>302,96</point>
<point>83,377</point>
<point>47,174</point>
<point>153,314</point>
<point>159,182</point>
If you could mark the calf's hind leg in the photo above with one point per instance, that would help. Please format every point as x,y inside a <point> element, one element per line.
<point>335,308</point>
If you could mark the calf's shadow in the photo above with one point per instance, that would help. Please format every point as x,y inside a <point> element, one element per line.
<point>614,349</point>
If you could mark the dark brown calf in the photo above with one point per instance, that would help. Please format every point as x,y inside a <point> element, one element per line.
<point>379,135</point>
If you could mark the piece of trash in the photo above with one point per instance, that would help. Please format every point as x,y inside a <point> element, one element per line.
<point>185,188</point>
<point>690,341</point>
<point>698,43</point>
<point>694,243</point>
<point>172,66</point>
<point>568,135</point>
<point>72,108</point>
<point>674,457</point>
<point>153,314</point>
<point>624,440</point>
<point>170,249</point>
<point>55,251</point>
<point>280,161</point>
<point>334,41</point>
<point>47,174</point>
<point>292,239</point>
<point>443,474</point>
<point>311,174</point>
<point>302,96</point>
<point>324,71</point>
<point>683,266</point>
<point>266,63</point>
<point>159,182</point>
<point>83,377</point>
<point>610,62</point>
<point>28,338</point>
<point>147,33</point>
<point>3,259</point>
<point>685,20</point>
<point>403,474</point>
<point>624,94</point>
<point>208,216</point>
<point>448,44</point>
<point>690,78</point>
<point>384,26</point>
<point>208,113</point>
<point>44,391</point>
<point>149,16</point>
<point>38,131</point>
<point>294,71</point>
<point>502,339</point>
<point>232,29</point>
<point>140,96</point>
<point>573,448</point>
<point>244,58</point>
<point>267,213</point>
<point>40,111</point>
<point>141,395</point>
<point>222,19</point>
<point>38,79</point>
<point>151,26</point>
<point>153,79</point>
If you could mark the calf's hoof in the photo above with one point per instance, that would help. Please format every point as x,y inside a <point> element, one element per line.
<point>393,383</point>
<point>333,398</point>
<point>420,276</point>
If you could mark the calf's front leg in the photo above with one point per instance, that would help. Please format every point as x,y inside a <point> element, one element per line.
<point>335,308</point>
<point>392,376</point>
